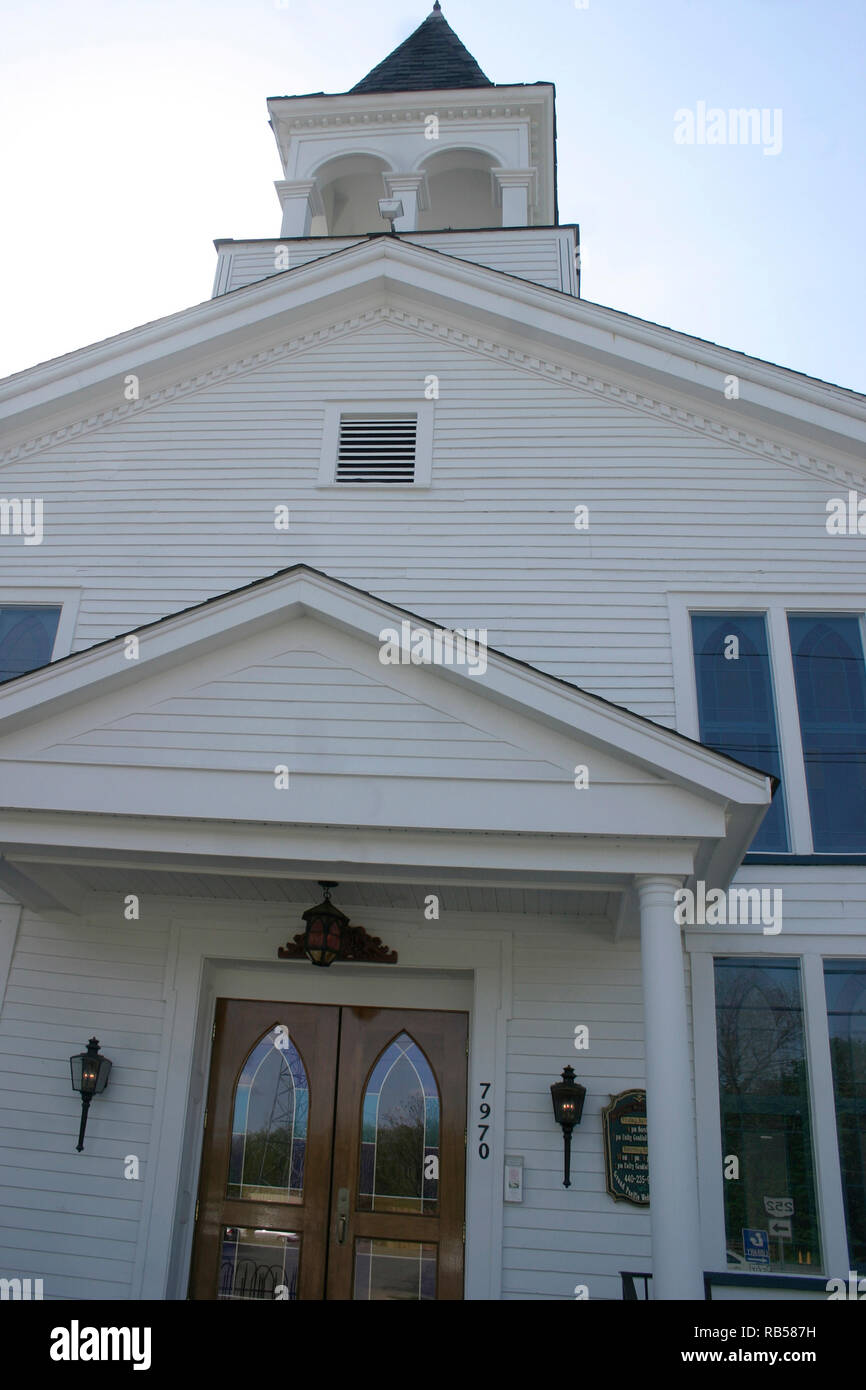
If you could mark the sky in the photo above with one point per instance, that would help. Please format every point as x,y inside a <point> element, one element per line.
<point>133,134</point>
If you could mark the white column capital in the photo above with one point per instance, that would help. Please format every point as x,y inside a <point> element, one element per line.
<point>654,886</point>
<point>408,183</point>
<point>514,178</point>
<point>412,190</point>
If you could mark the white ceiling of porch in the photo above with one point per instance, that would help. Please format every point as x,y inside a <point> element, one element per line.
<point>305,892</point>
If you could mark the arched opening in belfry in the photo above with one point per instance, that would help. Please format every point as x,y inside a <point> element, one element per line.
<point>350,187</point>
<point>461,191</point>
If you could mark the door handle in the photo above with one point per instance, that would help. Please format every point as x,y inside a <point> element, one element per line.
<point>342,1214</point>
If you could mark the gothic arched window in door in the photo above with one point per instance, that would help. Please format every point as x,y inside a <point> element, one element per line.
<point>400,1133</point>
<point>269,1126</point>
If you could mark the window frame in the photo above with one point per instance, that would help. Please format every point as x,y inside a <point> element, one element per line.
<point>825,958</point>
<point>46,596</point>
<point>702,950</point>
<point>392,405</point>
<point>769,960</point>
<point>776,607</point>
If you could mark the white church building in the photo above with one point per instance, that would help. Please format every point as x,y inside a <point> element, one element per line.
<point>535,633</point>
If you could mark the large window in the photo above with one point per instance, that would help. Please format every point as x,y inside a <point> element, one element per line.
<point>784,691</point>
<point>26,638</point>
<point>845,983</point>
<point>735,703</point>
<point>771,1218</point>
<point>830,677</point>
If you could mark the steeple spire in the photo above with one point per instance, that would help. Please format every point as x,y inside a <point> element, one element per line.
<point>432,58</point>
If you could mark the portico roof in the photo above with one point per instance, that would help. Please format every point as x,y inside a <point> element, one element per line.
<point>171,757</point>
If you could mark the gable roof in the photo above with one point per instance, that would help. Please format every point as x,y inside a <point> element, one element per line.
<point>389,609</point>
<point>110,722</point>
<point>431,58</point>
<point>651,367</point>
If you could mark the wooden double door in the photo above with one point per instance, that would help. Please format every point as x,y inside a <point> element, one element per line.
<point>333,1163</point>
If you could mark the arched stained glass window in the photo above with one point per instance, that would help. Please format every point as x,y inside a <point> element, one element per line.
<point>269,1126</point>
<point>400,1133</point>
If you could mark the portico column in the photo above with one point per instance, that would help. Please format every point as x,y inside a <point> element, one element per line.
<point>673,1162</point>
<point>301,202</point>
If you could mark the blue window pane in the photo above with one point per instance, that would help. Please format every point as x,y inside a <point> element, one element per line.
<point>26,639</point>
<point>830,677</point>
<point>735,704</point>
<point>845,982</point>
<point>764,1096</point>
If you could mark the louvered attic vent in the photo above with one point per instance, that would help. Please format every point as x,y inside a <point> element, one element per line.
<point>377,448</point>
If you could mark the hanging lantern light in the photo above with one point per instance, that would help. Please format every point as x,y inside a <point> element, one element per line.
<point>326,931</point>
<point>330,936</point>
<point>90,1072</point>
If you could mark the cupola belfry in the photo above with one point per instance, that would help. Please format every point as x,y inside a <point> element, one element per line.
<point>425,126</point>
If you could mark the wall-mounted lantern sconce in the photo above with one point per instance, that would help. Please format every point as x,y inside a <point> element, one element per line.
<point>90,1072</point>
<point>568,1096</point>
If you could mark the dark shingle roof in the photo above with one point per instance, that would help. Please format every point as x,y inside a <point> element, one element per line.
<point>433,57</point>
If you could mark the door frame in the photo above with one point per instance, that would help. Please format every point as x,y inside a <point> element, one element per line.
<point>198,958</point>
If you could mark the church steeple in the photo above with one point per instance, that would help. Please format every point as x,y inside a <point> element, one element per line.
<point>426,128</point>
<point>431,59</point>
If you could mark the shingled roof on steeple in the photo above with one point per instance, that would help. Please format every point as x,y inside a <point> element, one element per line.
<point>433,57</point>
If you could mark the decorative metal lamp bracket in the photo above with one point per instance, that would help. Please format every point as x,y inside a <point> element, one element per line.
<point>360,946</point>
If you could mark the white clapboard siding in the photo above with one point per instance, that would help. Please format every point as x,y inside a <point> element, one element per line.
<point>175,504</point>
<point>544,255</point>
<point>72,1219</point>
<point>560,1237</point>
<point>814,897</point>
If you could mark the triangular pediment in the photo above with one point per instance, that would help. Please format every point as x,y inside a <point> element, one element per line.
<point>273,705</point>
<point>779,414</point>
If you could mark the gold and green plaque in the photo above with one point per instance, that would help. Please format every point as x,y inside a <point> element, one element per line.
<point>625,1147</point>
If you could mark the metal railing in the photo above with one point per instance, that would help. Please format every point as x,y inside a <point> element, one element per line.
<point>725,1279</point>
